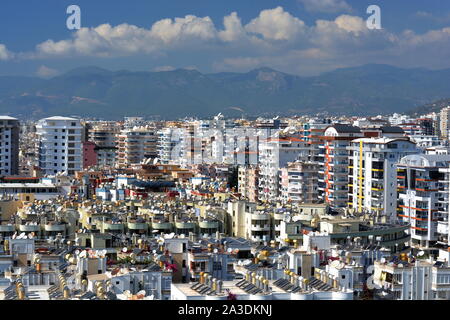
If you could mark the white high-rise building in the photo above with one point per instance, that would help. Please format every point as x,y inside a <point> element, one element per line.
<point>9,146</point>
<point>333,174</point>
<point>276,153</point>
<point>59,145</point>
<point>423,181</point>
<point>445,122</point>
<point>373,173</point>
<point>135,145</point>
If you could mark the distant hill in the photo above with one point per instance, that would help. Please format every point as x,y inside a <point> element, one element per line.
<point>436,106</point>
<point>95,92</point>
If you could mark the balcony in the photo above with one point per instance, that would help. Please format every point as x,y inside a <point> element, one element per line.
<point>279,216</point>
<point>113,226</point>
<point>7,228</point>
<point>265,227</point>
<point>137,226</point>
<point>55,227</point>
<point>29,228</point>
<point>161,225</point>
<point>185,225</point>
<point>442,227</point>
<point>209,224</point>
<point>260,216</point>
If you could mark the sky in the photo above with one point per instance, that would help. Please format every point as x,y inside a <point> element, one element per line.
<point>303,37</point>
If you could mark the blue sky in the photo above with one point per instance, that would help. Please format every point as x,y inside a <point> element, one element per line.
<point>305,37</point>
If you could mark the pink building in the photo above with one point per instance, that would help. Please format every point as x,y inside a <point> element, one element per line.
<point>89,154</point>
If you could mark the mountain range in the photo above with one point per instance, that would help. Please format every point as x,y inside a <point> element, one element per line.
<point>95,92</point>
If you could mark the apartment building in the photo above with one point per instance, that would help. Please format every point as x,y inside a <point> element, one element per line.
<point>248,180</point>
<point>250,221</point>
<point>299,182</point>
<point>171,147</point>
<point>407,280</point>
<point>135,145</point>
<point>104,136</point>
<point>373,174</point>
<point>333,174</point>
<point>9,146</point>
<point>445,122</point>
<point>276,153</point>
<point>423,195</point>
<point>59,145</point>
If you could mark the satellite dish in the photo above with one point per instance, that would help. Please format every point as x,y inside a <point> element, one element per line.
<point>421,253</point>
<point>247,262</point>
<point>215,250</point>
<point>125,249</point>
<point>335,264</point>
<point>142,292</point>
<point>169,236</point>
<point>229,250</point>
<point>383,260</point>
<point>77,252</point>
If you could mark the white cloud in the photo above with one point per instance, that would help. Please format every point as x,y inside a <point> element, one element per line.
<point>125,39</point>
<point>326,6</point>
<point>351,23</point>
<point>163,69</point>
<point>276,24</point>
<point>274,38</point>
<point>191,26</point>
<point>46,72</point>
<point>233,28</point>
<point>440,19</point>
<point>5,54</point>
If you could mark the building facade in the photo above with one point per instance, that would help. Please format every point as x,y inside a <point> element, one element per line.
<point>59,145</point>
